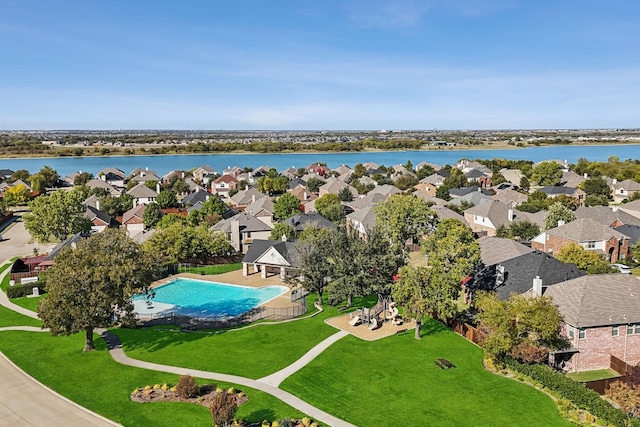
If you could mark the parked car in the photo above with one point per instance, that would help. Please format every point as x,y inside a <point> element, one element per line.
<point>624,269</point>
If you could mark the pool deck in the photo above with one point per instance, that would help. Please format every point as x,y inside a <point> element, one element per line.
<point>236,278</point>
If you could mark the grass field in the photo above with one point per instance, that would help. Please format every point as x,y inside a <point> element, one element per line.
<point>394,381</point>
<point>211,269</point>
<point>96,381</point>
<point>599,374</point>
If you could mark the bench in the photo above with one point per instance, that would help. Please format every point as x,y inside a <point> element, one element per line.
<point>401,331</point>
<point>444,364</point>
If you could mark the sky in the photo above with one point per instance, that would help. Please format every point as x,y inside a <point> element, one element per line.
<point>319,64</point>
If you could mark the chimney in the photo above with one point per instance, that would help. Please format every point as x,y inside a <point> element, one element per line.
<point>97,204</point>
<point>615,209</point>
<point>585,175</point>
<point>510,215</point>
<point>305,196</point>
<point>615,181</point>
<point>253,198</point>
<point>235,234</point>
<point>158,187</point>
<point>560,222</point>
<point>537,286</point>
<point>284,237</point>
<point>182,174</point>
<point>197,188</point>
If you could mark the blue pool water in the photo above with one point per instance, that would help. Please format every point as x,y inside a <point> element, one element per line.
<point>198,298</point>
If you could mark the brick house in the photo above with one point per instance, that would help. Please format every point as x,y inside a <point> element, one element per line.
<point>587,233</point>
<point>601,318</point>
<point>224,184</point>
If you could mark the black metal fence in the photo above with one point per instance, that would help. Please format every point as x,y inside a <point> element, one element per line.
<point>253,315</point>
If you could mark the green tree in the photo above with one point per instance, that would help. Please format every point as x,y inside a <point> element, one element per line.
<point>547,173</point>
<point>180,243</point>
<point>404,217</point>
<point>20,174</point>
<point>524,230</point>
<point>525,328</point>
<point>152,215</point>
<point>425,171</point>
<point>589,261</point>
<point>58,214</point>
<point>286,206</point>
<point>281,229</point>
<point>82,178</point>
<point>453,250</point>
<point>524,183</point>
<point>314,184</point>
<point>558,212</point>
<point>504,232</point>
<point>345,195</point>
<point>179,185</point>
<point>359,170</point>
<point>167,199</point>
<point>635,251</point>
<point>405,182</point>
<point>91,286</point>
<point>49,176</point>
<point>328,204</point>
<point>313,270</point>
<point>17,195</point>
<point>273,184</point>
<point>116,206</point>
<point>596,186</point>
<point>536,202</point>
<point>168,220</point>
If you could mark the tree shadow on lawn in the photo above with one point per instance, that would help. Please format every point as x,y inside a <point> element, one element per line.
<point>432,327</point>
<point>154,339</point>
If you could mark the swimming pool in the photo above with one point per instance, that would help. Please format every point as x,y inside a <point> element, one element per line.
<point>199,298</point>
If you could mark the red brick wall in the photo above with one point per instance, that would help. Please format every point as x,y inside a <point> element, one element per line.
<point>555,244</point>
<point>598,345</point>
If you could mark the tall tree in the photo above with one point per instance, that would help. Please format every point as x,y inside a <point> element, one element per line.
<point>59,214</point>
<point>452,249</point>
<point>591,262</point>
<point>167,199</point>
<point>180,243</point>
<point>402,217</point>
<point>547,173</point>
<point>524,230</point>
<point>17,195</point>
<point>558,212</point>
<point>91,286</point>
<point>345,194</point>
<point>282,229</point>
<point>82,178</point>
<point>314,184</point>
<point>310,260</point>
<point>286,206</point>
<point>329,206</point>
<point>152,215</point>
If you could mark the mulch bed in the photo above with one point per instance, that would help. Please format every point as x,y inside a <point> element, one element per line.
<point>207,392</point>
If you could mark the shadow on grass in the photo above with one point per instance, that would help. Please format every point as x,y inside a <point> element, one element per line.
<point>158,338</point>
<point>261,414</point>
<point>432,327</point>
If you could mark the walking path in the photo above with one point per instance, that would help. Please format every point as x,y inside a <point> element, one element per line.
<point>268,384</point>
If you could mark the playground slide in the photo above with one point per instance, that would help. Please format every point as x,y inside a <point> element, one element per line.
<point>354,321</point>
<point>393,314</point>
<point>374,324</point>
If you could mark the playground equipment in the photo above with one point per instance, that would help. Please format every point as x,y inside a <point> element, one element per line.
<point>375,315</point>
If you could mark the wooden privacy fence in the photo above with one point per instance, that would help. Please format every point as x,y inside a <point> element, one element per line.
<point>467,331</point>
<point>618,365</point>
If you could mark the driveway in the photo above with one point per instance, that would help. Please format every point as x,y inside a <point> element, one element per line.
<point>15,241</point>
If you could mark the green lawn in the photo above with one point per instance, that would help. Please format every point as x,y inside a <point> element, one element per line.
<point>211,269</point>
<point>394,381</point>
<point>11,318</point>
<point>599,374</point>
<point>253,352</point>
<point>28,303</point>
<point>5,282</point>
<point>97,382</point>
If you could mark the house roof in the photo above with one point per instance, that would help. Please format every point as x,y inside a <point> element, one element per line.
<point>260,205</point>
<point>459,192</point>
<point>628,185</point>
<point>606,215</point>
<point>631,231</point>
<point>114,171</point>
<point>260,247</point>
<point>571,179</point>
<point>365,216</point>
<point>427,198</point>
<point>631,206</point>
<point>225,178</point>
<point>475,197</point>
<point>521,270</point>
<point>494,250</point>
<point>296,182</point>
<point>244,197</point>
<point>92,213</point>
<point>142,191</point>
<point>247,223</point>
<point>302,220</point>
<point>206,169</point>
<point>334,185</point>
<point>371,199</point>
<point>444,212</point>
<point>585,230</point>
<point>510,197</point>
<point>136,212</point>
<point>553,190</point>
<point>144,176</point>
<point>386,190</point>
<point>498,213</point>
<point>70,241</point>
<point>598,300</point>
<point>197,196</point>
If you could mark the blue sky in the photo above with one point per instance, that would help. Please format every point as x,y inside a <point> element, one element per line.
<point>319,64</point>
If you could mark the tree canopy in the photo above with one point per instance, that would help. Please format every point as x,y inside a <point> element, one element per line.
<point>281,229</point>
<point>286,206</point>
<point>402,217</point>
<point>180,243</point>
<point>167,199</point>
<point>558,212</point>
<point>589,261</point>
<point>151,215</point>
<point>17,195</point>
<point>547,173</point>
<point>58,214</point>
<point>329,206</point>
<point>91,286</point>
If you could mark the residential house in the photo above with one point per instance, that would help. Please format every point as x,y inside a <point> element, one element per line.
<point>99,220</point>
<point>113,191</point>
<point>494,250</point>
<point>557,190</point>
<point>512,175</point>
<point>143,195</point>
<point>204,174</point>
<point>631,231</point>
<point>166,178</point>
<point>334,186</point>
<point>113,176</point>
<point>632,208</point>
<point>589,234</point>
<point>484,219</point>
<point>624,189</point>
<point>321,170</point>
<point>224,184</point>
<point>194,197</point>
<point>479,176</point>
<point>460,192</point>
<point>132,220</point>
<point>232,170</point>
<point>609,216</point>
<point>428,198</point>
<point>244,198</point>
<point>5,174</point>
<point>362,221</point>
<point>510,197</point>
<point>423,164</point>
<point>444,212</point>
<point>303,194</point>
<point>304,220</point>
<point>601,315</point>
<point>386,190</point>
<point>572,179</point>
<point>242,229</point>
<point>145,176</point>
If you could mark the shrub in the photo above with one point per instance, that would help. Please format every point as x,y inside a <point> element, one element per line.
<point>223,409</point>
<point>187,387</point>
<point>287,422</point>
<point>528,353</point>
<point>577,393</point>
<point>22,290</point>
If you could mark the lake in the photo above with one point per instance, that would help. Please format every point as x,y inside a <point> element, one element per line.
<point>165,163</point>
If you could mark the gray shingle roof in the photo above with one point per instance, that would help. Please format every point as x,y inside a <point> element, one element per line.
<point>606,216</point>
<point>302,220</point>
<point>598,300</point>
<point>497,249</point>
<point>259,247</point>
<point>585,230</point>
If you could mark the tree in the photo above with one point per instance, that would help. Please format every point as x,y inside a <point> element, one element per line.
<point>596,186</point>
<point>452,250</point>
<point>536,202</point>
<point>116,206</point>
<point>403,217</point>
<point>286,206</point>
<point>281,229</point>
<point>314,184</point>
<point>425,171</point>
<point>518,326</point>
<point>313,270</point>
<point>59,214</point>
<point>180,243</point>
<point>345,195</point>
<point>635,251</point>
<point>152,215</point>
<point>524,183</point>
<point>179,185</point>
<point>558,212</point>
<point>270,184</point>
<point>48,177</point>
<point>334,212</point>
<point>524,230</point>
<point>547,173</point>
<point>328,205</point>
<point>17,195</point>
<point>168,220</point>
<point>626,397</point>
<point>92,286</point>
<point>167,199</point>
<point>589,261</point>
<point>20,174</point>
<point>404,182</point>
<point>82,178</point>
<point>359,170</point>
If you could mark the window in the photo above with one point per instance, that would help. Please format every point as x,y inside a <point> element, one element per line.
<point>637,328</point>
<point>614,331</point>
<point>629,329</point>
<point>571,332</point>
<point>591,245</point>
<point>582,333</point>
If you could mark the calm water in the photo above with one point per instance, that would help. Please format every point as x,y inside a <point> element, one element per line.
<point>164,164</point>
<point>198,298</point>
